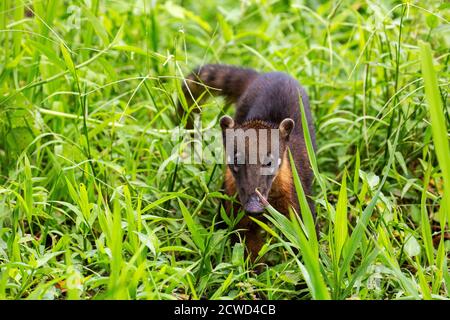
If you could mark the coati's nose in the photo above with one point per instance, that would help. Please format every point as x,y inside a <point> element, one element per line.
<point>253,205</point>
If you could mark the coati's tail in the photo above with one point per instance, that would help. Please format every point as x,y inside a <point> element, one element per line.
<point>217,79</point>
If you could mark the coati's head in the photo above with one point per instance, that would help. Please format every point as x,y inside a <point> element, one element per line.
<point>254,153</point>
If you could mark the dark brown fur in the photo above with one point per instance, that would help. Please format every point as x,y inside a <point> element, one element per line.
<point>262,101</point>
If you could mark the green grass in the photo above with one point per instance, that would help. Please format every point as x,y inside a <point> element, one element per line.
<point>94,205</point>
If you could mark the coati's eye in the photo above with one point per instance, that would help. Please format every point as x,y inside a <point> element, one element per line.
<point>267,162</point>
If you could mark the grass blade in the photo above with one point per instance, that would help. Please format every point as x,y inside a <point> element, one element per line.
<point>197,231</point>
<point>437,117</point>
<point>340,223</point>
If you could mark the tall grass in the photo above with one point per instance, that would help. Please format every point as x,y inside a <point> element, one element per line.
<point>95,205</point>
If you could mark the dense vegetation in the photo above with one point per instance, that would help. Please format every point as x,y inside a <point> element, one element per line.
<point>94,204</point>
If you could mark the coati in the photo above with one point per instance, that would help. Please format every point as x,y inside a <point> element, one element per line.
<point>264,103</point>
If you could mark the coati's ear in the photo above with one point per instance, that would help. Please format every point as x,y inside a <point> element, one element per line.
<point>286,127</point>
<point>226,122</point>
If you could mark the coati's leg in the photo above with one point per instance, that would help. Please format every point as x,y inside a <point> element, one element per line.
<point>254,240</point>
<point>248,231</point>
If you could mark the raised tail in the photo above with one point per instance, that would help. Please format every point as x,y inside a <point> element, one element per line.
<point>217,79</point>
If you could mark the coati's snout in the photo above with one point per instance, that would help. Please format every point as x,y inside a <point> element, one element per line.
<point>253,205</point>
<point>254,151</point>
